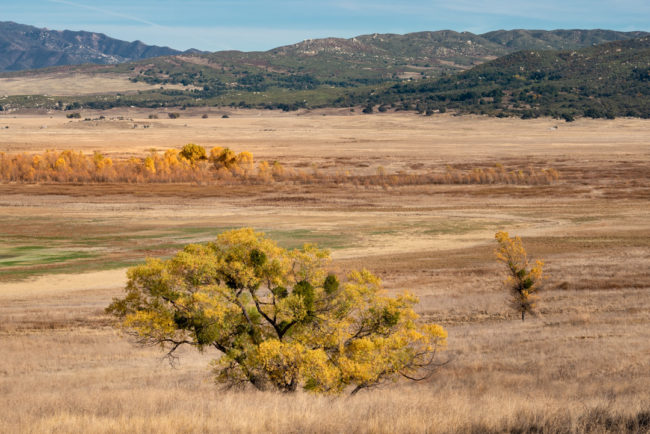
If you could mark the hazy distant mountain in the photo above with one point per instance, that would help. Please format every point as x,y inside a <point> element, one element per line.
<point>557,39</point>
<point>28,47</point>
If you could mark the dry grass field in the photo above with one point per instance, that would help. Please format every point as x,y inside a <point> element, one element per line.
<point>581,365</point>
<point>64,84</point>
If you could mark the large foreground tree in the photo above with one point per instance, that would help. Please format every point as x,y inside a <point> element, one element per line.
<point>279,320</point>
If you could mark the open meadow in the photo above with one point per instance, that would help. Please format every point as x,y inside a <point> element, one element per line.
<point>582,364</point>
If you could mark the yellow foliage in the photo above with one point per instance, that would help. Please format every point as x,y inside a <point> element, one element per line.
<point>263,169</point>
<point>193,153</point>
<point>224,165</point>
<point>150,165</point>
<point>60,163</point>
<point>223,157</point>
<point>215,153</point>
<point>245,158</point>
<point>522,279</point>
<point>171,157</point>
<point>281,362</point>
<point>149,323</point>
<point>277,170</point>
<point>278,317</point>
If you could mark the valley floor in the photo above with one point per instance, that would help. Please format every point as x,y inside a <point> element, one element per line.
<point>582,364</point>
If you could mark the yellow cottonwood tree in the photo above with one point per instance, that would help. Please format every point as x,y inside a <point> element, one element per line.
<point>193,153</point>
<point>278,319</point>
<point>523,280</point>
<point>223,157</point>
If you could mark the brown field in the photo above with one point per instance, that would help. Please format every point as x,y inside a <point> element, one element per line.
<point>65,84</point>
<point>581,365</point>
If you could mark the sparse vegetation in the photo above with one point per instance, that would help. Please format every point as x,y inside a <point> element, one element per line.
<point>523,280</point>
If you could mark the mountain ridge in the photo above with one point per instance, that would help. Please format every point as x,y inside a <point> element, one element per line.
<point>24,47</point>
<point>27,47</point>
<point>423,71</point>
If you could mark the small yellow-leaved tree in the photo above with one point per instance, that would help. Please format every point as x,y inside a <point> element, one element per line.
<point>523,280</point>
<point>193,153</point>
<point>279,320</point>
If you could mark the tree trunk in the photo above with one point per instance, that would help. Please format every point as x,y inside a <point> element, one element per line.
<point>357,389</point>
<point>522,314</point>
<point>261,383</point>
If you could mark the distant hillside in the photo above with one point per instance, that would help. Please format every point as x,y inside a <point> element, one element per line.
<point>607,80</point>
<point>447,48</point>
<point>414,71</point>
<point>367,59</point>
<point>516,40</point>
<point>27,47</point>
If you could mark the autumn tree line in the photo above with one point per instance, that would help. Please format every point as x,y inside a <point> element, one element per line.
<point>193,164</point>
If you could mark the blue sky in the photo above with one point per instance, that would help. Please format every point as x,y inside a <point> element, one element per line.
<point>260,25</point>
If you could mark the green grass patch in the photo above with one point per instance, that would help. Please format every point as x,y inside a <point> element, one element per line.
<point>26,256</point>
<point>26,273</point>
<point>293,239</point>
<point>586,219</point>
<point>39,255</point>
<point>459,227</point>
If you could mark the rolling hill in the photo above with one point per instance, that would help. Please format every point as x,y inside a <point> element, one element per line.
<point>515,72</point>
<point>607,80</point>
<point>363,60</point>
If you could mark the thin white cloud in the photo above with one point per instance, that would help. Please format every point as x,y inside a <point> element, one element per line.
<point>531,9</point>
<point>105,12</point>
<point>507,9</point>
<point>386,8</point>
<point>550,10</point>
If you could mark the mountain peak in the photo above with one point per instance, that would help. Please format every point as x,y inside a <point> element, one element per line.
<point>29,47</point>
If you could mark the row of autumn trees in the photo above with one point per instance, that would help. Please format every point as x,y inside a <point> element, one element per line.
<point>194,164</point>
<point>280,320</point>
<point>190,164</point>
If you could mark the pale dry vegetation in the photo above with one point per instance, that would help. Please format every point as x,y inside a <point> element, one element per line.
<point>77,84</point>
<point>581,365</point>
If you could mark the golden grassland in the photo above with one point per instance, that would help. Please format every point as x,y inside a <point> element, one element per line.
<point>581,365</point>
<point>64,84</point>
